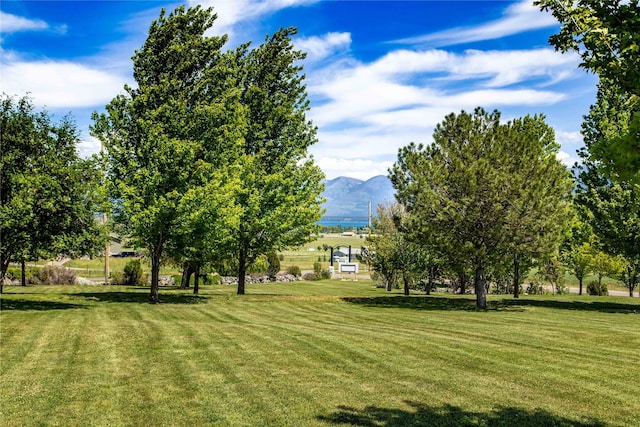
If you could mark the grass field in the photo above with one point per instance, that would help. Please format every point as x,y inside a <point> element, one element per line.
<point>325,353</point>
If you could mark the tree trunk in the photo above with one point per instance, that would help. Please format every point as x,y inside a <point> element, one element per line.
<point>155,276</point>
<point>580,283</point>
<point>480,288</point>
<point>4,265</point>
<point>23,273</point>
<point>196,281</point>
<point>388,282</point>
<point>516,276</point>
<point>463,284</point>
<point>242,270</point>
<point>187,271</point>
<point>405,279</point>
<point>599,284</point>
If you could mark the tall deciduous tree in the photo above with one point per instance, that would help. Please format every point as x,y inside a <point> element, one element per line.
<point>385,246</point>
<point>281,186</point>
<point>49,195</point>
<point>612,206</point>
<point>470,191</point>
<point>175,132</point>
<point>606,33</point>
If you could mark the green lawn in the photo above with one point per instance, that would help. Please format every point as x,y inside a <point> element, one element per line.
<point>326,353</point>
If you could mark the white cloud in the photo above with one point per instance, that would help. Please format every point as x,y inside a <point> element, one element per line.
<point>518,18</point>
<point>12,23</point>
<point>232,12</point>
<point>402,85</point>
<point>502,67</point>
<point>60,84</point>
<point>88,146</point>
<point>570,143</point>
<point>319,47</point>
<point>567,158</point>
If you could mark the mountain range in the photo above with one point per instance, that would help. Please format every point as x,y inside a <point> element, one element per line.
<point>349,197</point>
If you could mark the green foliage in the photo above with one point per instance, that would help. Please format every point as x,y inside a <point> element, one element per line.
<point>535,288</point>
<point>606,34</point>
<point>604,264</point>
<point>295,270</point>
<point>208,154</point>
<point>318,273</point>
<point>317,268</point>
<point>48,193</point>
<point>281,187</point>
<point>485,191</point>
<point>133,273</point>
<point>31,275</point>
<point>597,288</point>
<point>273,264</point>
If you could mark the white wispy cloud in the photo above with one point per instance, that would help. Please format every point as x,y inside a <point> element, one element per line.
<point>319,47</point>
<point>10,23</point>
<point>59,84</point>
<point>398,85</point>
<point>370,110</point>
<point>232,12</point>
<point>518,18</point>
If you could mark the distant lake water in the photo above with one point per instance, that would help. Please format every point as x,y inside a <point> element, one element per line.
<point>344,222</point>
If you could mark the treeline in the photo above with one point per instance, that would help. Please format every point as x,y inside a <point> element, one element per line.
<point>489,200</point>
<point>205,160</point>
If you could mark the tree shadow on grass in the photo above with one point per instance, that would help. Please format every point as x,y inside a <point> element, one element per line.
<point>140,297</point>
<point>467,304</point>
<point>601,306</point>
<point>448,415</point>
<point>25,305</point>
<point>416,302</point>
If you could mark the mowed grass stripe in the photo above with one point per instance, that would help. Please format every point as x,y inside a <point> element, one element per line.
<point>294,356</point>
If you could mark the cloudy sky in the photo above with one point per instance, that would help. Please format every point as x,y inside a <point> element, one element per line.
<point>380,74</point>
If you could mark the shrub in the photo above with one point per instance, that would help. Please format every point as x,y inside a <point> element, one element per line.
<point>594,288</point>
<point>535,288</point>
<point>31,275</point>
<point>309,276</point>
<point>561,289</point>
<point>273,264</point>
<point>295,270</point>
<point>116,278</point>
<point>133,273</point>
<point>56,276</point>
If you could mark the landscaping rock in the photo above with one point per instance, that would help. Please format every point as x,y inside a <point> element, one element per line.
<point>280,278</point>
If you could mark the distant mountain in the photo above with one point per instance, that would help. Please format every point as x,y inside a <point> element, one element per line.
<point>349,197</point>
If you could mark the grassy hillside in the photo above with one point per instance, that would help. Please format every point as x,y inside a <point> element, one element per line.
<point>314,354</point>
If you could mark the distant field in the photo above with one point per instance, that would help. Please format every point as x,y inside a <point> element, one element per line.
<point>301,256</point>
<point>327,353</point>
<point>306,255</point>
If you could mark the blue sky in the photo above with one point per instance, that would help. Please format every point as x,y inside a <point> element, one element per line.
<point>380,74</point>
